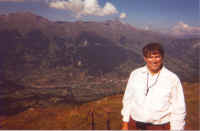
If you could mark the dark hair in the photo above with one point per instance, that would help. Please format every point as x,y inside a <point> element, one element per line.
<point>153,48</point>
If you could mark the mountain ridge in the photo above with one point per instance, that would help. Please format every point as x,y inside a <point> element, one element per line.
<point>34,42</point>
<point>45,63</point>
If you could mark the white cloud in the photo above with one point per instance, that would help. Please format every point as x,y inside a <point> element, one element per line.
<point>84,7</point>
<point>123,15</point>
<point>90,7</point>
<point>109,9</point>
<point>182,29</point>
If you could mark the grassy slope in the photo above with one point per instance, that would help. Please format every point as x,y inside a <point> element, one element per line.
<point>79,116</point>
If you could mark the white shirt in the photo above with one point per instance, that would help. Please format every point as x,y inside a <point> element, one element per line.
<point>163,103</point>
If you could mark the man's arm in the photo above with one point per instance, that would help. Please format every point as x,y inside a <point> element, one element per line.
<point>177,121</point>
<point>126,102</point>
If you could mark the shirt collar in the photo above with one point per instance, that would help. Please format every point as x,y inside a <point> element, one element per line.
<point>145,69</point>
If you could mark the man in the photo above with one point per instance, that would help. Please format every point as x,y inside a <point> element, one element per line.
<point>154,96</point>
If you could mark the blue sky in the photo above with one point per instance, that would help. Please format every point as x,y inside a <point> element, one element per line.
<point>157,15</point>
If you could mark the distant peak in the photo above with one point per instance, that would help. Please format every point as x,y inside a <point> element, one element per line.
<point>26,16</point>
<point>23,13</point>
<point>116,21</point>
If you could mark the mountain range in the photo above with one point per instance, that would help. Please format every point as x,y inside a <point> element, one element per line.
<point>34,48</point>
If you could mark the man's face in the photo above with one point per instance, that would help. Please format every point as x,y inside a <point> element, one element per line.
<point>154,62</point>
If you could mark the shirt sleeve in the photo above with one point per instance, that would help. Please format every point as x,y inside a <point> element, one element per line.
<point>127,98</point>
<point>177,120</point>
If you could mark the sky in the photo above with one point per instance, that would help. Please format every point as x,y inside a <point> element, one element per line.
<point>177,16</point>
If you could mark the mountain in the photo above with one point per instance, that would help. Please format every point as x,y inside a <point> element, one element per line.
<point>45,63</point>
<point>34,48</point>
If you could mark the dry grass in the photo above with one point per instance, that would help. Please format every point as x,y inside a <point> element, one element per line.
<point>78,117</point>
<point>192,98</point>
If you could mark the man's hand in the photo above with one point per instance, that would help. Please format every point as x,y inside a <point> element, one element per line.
<point>125,126</point>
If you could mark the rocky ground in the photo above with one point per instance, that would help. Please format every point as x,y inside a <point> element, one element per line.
<point>76,108</point>
<point>101,114</point>
<point>17,98</point>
